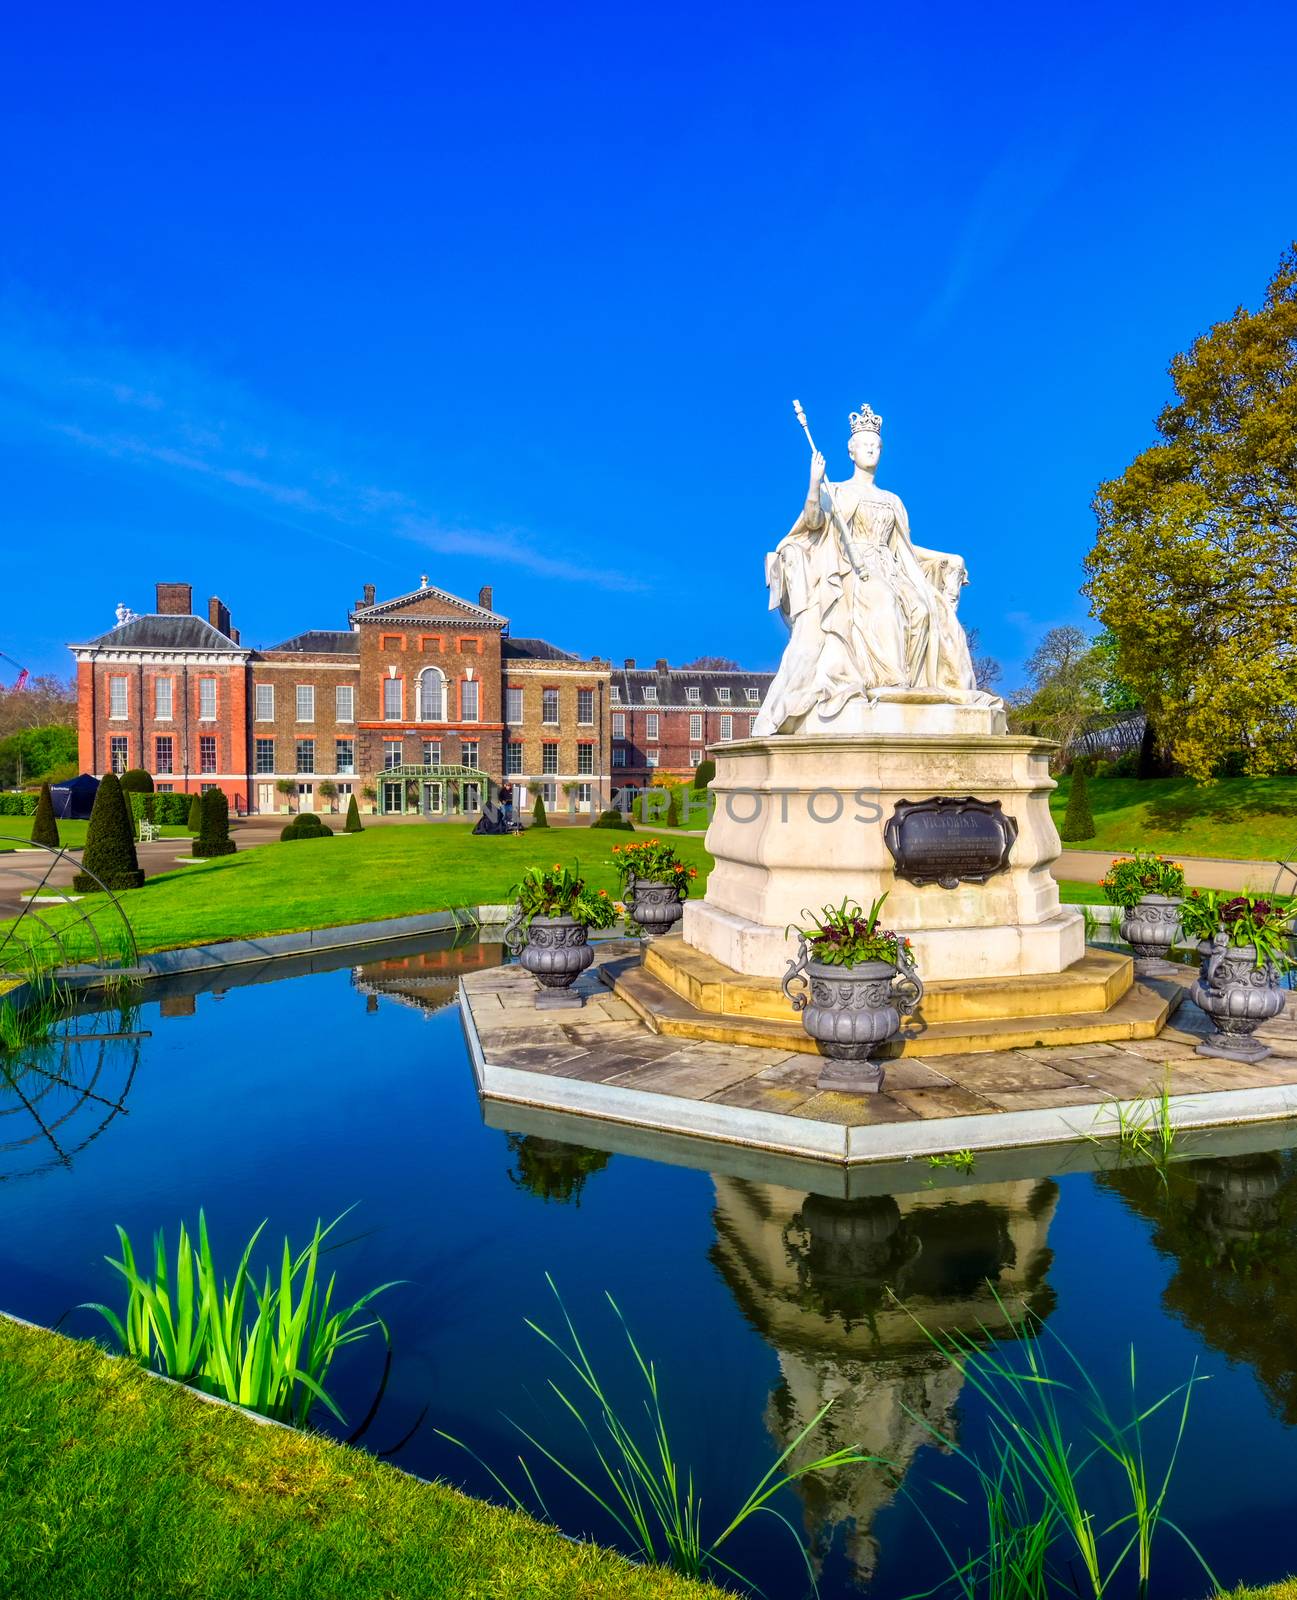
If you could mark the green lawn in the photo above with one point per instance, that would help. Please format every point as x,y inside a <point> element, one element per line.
<point>382,872</point>
<point>1249,819</point>
<point>114,1486</point>
<point>71,832</point>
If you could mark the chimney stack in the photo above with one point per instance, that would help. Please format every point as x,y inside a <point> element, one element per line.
<point>219,616</point>
<point>662,666</point>
<point>175,599</point>
<point>368,594</point>
<point>630,663</point>
<point>234,635</point>
<point>484,597</point>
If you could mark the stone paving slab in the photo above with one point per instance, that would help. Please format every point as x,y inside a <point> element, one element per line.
<point>604,1062</point>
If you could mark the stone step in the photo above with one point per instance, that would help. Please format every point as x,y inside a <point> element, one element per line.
<point>1140,1013</point>
<point>1093,984</point>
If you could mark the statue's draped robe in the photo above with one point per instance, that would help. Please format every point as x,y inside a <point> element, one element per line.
<point>866,609</point>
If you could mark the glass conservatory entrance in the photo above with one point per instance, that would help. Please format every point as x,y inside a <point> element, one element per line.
<point>432,791</point>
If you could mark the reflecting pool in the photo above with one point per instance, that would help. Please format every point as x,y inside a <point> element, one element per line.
<point>761,1290</point>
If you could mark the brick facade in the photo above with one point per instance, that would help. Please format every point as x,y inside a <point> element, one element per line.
<point>423,681</point>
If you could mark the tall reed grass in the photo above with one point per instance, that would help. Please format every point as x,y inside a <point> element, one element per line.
<point>640,1482</point>
<point>268,1345</point>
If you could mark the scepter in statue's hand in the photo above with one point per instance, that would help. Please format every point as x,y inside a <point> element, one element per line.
<point>817,460</point>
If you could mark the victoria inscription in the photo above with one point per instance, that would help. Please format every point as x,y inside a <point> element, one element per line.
<point>949,840</point>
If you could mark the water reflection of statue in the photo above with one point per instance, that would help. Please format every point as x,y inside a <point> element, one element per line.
<point>1230,1226</point>
<point>872,615</point>
<point>812,1275</point>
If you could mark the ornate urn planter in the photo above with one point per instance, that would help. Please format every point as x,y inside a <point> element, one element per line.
<point>1238,996</point>
<point>555,950</point>
<point>657,907</point>
<point>850,1011</point>
<point>1150,929</point>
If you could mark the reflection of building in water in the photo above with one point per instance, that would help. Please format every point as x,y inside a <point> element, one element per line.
<point>812,1276</point>
<point>1230,1226</point>
<point>428,981</point>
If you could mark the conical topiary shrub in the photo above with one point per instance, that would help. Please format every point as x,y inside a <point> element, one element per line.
<point>538,817</point>
<point>704,772</point>
<point>1078,821</point>
<point>214,834</point>
<point>352,824</point>
<point>195,814</point>
<point>109,859</point>
<point>672,818</point>
<point>45,830</point>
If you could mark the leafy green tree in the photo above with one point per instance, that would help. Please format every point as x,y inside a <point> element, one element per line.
<point>1078,819</point>
<point>538,817</point>
<point>214,832</point>
<point>1066,673</point>
<point>352,824</point>
<point>195,820</point>
<point>109,857</point>
<point>1194,569</point>
<point>34,753</point>
<point>45,828</point>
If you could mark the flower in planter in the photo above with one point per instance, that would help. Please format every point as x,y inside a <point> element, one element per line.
<point>653,862</point>
<point>1130,878</point>
<point>1244,919</point>
<point>847,935</point>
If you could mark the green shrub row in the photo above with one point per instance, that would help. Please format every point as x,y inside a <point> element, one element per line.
<point>17,805</point>
<point>307,826</point>
<point>167,810</point>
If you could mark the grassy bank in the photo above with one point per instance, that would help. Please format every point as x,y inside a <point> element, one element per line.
<point>114,1484</point>
<point>1243,819</point>
<point>15,830</point>
<point>369,876</point>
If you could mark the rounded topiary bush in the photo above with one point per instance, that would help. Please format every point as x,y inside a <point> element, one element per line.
<point>352,824</point>
<point>704,772</point>
<point>214,828</point>
<point>136,781</point>
<point>612,818</point>
<point>45,828</point>
<point>109,860</point>
<point>306,825</point>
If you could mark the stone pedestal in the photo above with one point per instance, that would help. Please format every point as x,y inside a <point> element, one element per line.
<point>799,823</point>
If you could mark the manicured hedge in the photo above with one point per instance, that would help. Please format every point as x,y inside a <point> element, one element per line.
<point>306,826</point>
<point>18,805</point>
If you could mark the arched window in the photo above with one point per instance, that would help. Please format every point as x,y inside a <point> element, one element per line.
<point>432,695</point>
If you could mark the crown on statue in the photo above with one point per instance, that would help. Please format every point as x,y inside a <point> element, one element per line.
<point>866,421</point>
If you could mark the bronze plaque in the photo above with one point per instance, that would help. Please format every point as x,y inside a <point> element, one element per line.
<point>949,840</point>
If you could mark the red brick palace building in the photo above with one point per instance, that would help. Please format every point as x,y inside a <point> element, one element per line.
<point>415,706</point>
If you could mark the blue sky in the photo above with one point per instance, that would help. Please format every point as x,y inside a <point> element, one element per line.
<point>294,298</point>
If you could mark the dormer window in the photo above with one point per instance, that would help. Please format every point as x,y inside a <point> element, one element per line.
<point>693,694</point>
<point>650,694</point>
<point>754,696</point>
<point>723,695</point>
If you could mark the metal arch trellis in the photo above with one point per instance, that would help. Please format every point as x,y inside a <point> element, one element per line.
<point>62,943</point>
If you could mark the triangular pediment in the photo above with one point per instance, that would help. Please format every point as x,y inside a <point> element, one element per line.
<point>429,603</point>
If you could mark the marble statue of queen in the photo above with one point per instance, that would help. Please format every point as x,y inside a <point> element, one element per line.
<point>872,615</point>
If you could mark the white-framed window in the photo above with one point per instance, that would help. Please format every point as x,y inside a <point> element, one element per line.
<point>619,724</point>
<point>619,755</point>
<point>207,699</point>
<point>264,698</point>
<point>207,753</point>
<point>119,699</point>
<point>469,752</point>
<point>727,727</point>
<point>469,700</point>
<point>585,758</point>
<point>119,753</point>
<point>651,721</point>
<point>513,704</point>
<point>306,755</point>
<point>391,754</point>
<point>549,793</point>
<point>583,793</point>
<point>723,695</point>
<point>614,693</point>
<point>432,695</point>
<point>513,757</point>
<point>754,696</point>
<point>163,698</point>
<point>695,756</point>
<point>165,788</point>
<point>344,702</point>
<point>549,758</point>
<point>306,702</point>
<point>549,707</point>
<point>263,755</point>
<point>163,759</point>
<point>650,693</point>
<point>695,725</point>
<point>650,758</point>
<point>344,755</point>
<point>391,699</point>
<point>345,791</point>
<point>206,788</point>
<point>432,752</point>
<point>585,708</point>
<point>693,694</point>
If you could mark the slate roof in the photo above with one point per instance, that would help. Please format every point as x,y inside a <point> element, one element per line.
<point>534,650</point>
<point>321,642</point>
<point>157,632</point>
<point>671,686</point>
